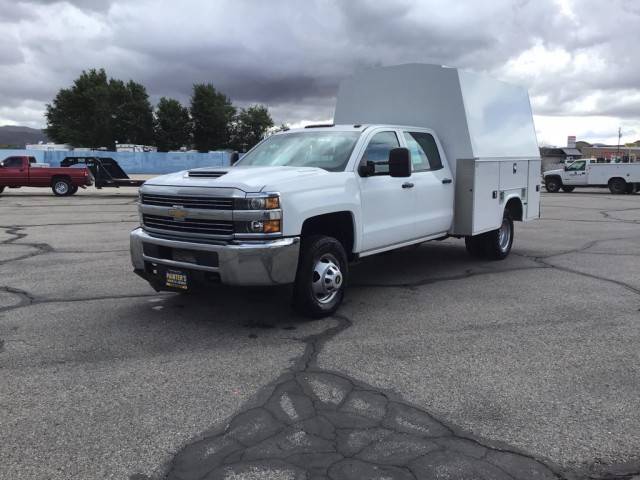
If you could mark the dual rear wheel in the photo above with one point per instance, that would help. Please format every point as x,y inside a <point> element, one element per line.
<point>493,245</point>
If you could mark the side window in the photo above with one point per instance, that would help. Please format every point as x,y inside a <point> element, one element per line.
<point>576,166</point>
<point>378,150</point>
<point>428,147</point>
<point>419,159</point>
<point>12,162</point>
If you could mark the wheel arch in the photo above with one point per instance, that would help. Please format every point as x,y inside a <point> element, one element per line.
<point>339,225</point>
<point>515,208</point>
<point>61,176</point>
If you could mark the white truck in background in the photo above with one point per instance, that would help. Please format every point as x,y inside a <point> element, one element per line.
<point>587,172</point>
<point>417,153</point>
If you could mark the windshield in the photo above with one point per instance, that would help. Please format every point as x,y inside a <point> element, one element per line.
<point>327,150</point>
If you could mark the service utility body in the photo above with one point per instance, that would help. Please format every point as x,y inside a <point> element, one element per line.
<point>416,153</point>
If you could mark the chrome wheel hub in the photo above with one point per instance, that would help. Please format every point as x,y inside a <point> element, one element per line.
<point>61,188</point>
<point>327,278</point>
<point>504,235</point>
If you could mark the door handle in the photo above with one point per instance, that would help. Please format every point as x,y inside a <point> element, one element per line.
<point>407,185</point>
<point>446,180</point>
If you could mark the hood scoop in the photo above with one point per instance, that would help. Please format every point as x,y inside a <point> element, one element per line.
<point>205,173</point>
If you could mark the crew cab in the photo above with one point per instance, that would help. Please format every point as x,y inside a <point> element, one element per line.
<point>24,171</point>
<point>303,204</point>
<point>619,177</point>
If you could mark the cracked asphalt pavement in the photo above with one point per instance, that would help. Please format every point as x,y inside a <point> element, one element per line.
<point>438,365</point>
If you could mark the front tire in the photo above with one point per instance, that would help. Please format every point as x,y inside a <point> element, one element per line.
<point>1,189</point>
<point>552,184</point>
<point>321,277</point>
<point>73,190</point>
<point>61,187</point>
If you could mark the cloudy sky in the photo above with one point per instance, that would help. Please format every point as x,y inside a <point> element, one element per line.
<point>579,58</point>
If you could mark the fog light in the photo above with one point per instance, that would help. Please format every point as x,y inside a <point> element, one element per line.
<point>257,226</point>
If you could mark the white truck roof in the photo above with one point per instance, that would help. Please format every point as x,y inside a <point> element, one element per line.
<point>474,115</point>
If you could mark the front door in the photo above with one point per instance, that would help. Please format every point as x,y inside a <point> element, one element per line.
<point>13,172</point>
<point>387,202</point>
<point>433,185</point>
<point>576,173</point>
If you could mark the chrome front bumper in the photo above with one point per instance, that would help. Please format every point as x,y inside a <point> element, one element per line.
<point>272,262</point>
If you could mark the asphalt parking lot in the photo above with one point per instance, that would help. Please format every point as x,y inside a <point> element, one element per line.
<point>437,363</point>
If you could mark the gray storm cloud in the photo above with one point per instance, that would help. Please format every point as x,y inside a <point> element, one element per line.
<point>576,57</point>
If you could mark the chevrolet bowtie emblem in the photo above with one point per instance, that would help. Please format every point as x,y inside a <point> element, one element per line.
<point>178,213</point>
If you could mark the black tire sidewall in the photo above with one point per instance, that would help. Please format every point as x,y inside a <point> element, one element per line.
<point>553,181</point>
<point>304,300</point>
<point>617,186</point>
<point>492,240</point>
<point>53,187</point>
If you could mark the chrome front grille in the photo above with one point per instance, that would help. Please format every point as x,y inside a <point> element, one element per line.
<point>192,226</point>
<point>206,203</point>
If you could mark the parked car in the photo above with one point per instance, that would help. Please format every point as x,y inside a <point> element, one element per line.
<point>303,204</point>
<point>588,172</point>
<point>23,171</point>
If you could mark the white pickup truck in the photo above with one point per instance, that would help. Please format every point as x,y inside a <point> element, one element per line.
<point>619,177</point>
<point>417,153</point>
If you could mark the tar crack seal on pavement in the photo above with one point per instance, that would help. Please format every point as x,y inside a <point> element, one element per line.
<point>312,423</point>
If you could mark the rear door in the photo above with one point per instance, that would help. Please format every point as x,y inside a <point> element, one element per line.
<point>433,184</point>
<point>387,205</point>
<point>13,172</point>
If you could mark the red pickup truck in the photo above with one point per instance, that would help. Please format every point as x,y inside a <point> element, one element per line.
<point>25,172</point>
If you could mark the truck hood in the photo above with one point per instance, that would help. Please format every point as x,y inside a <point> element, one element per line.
<point>248,179</point>
<point>552,172</point>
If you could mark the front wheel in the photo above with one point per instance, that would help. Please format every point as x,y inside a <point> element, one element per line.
<point>552,184</point>
<point>61,187</point>
<point>321,277</point>
<point>73,190</point>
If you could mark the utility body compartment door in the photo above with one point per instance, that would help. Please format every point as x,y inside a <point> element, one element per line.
<point>532,208</point>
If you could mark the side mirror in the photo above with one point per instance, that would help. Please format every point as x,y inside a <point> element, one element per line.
<point>235,156</point>
<point>366,169</point>
<point>399,162</point>
<point>566,168</point>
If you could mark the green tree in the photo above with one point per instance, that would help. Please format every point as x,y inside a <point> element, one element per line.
<point>172,126</point>
<point>97,111</point>
<point>249,127</point>
<point>81,115</point>
<point>212,115</point>
<point>132,113</point>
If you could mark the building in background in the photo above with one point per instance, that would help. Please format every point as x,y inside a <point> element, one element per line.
<point>612,153</point>
<point>552,157</point>
<point>48,146</point>
<point>130,147</point>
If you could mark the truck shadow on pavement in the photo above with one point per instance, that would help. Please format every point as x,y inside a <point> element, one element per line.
<point>312,423</point>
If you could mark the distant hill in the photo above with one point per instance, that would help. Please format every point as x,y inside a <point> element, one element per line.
<point>14,136</point>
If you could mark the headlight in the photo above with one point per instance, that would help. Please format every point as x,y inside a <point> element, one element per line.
<point>267,201</point>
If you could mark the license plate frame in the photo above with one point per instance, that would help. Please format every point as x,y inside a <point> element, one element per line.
<point>178,279</point>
